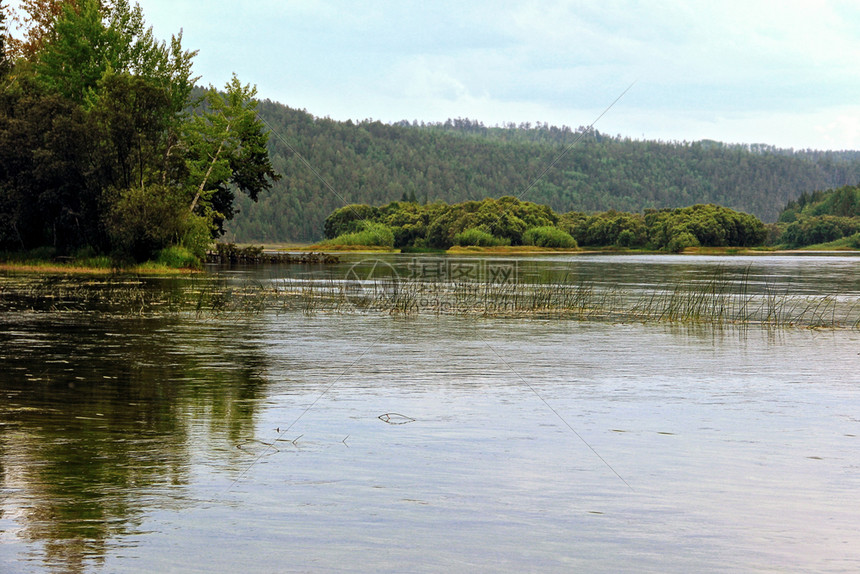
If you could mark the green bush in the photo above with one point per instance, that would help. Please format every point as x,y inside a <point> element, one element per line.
<point>178,257</point>
<point>854,240</point>
<point>372,234</point>
<point>626,238</point>
<point>349,219</point>
<point>40,253</point>
<point>197,236</point>
<point>681,241</point>
<point>479,237</point>
<point>548,236</point>
<point>143,221</point>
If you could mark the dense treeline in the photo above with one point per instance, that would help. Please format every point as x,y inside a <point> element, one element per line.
<point>821,217</point>
<point>509,221</point>
<point>102,147</point>
<point>374,163</point>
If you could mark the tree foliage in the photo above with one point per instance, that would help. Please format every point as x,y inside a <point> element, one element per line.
<point>5,60</point>
<point>36,18</point>
<point>509,221</point>
<point>373,163</point>
<point>820,217</point>
<point>101,145</point>
<point>226,150</point>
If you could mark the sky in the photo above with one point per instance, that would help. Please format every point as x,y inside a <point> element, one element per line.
<point>783,73</point>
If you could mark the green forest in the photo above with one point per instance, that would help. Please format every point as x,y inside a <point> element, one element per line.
<point>105,149</point>
<point>374,163</point>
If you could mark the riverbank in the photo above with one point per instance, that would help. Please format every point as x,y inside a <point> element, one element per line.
<point>309,254</point>
<point>533,250</point>
<point>81,268</point>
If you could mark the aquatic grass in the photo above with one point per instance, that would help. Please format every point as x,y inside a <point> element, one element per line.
<point>720,299</point>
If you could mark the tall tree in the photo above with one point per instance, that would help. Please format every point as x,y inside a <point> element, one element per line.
<point>88,42</point>
<point>227,149</point>
<point>98,143</point>
<point>35,19</point>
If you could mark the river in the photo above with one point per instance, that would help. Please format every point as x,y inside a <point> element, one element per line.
<point>288,439</point>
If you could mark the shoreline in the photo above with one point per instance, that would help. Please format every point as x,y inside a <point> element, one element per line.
<point>153,270</point>
<point>53,268</point>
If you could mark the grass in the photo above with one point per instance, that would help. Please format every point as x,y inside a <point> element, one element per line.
<point>479,238</point>
<point>511,249</point>
<point>371,234</point>
<point>171,261</point>
<point>718,300</point>
<point>333,247</point>
<point>721,299</point>
<point>52,267</point>
<point>729,250</point>
<point>178,257</point>
<point>843,244</point>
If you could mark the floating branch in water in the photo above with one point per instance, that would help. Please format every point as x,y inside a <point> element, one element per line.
<point>269,450</point>
<point>395,419</point>
<point>294,442</point>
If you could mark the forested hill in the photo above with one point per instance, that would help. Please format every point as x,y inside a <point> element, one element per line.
<point>375,163</point>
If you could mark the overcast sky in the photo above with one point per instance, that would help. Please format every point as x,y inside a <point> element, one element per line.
<point>785,73</point>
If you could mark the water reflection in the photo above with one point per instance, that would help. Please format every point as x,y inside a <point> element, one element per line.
<point>119,427</point>
<point>100,418</point>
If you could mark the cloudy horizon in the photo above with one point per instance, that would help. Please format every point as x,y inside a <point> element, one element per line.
<point>777,73</point>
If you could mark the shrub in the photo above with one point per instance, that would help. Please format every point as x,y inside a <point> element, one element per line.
<point>373,234</point>
<point>142,221</point>
<point>349,219</point>
<point>626,238</point>
<point>177,257</point>
<point>548,236</point>
<point>479,237</point>
<point>197,236</point>
<point>681,241</point>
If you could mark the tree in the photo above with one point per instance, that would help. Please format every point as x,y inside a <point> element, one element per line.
<point>226,146</point>
<point>99,145</point>
<point>88,42</point>
<point>48,196</point>
<point>35,20</point>
<point>5,60</point>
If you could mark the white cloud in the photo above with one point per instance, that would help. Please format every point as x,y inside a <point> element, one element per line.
<point>781,72</point>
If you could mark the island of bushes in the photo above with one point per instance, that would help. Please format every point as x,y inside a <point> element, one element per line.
<point>507,221</point>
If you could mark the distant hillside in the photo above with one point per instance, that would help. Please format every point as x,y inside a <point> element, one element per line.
<point>375,163</point>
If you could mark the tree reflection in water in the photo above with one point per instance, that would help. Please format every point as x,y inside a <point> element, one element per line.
<point>101,415</point>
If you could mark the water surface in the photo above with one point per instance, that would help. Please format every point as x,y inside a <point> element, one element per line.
<point>187,442</point>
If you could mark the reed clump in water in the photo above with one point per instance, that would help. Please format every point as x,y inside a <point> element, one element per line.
<point>230,253</point>
<point>718,299</point>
